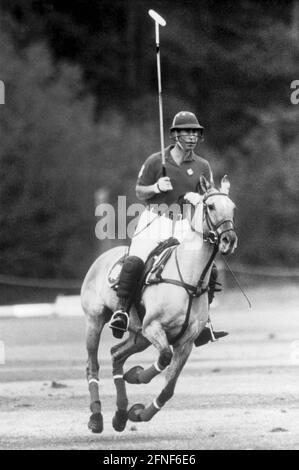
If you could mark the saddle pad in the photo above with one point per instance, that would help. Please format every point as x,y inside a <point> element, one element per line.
<point>154,258</point>
<point>151,264</point>
<point>153,276</point>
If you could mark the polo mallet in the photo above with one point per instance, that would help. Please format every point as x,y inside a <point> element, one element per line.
<point>159,21</point>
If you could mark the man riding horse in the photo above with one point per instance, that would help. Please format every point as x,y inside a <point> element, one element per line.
<point>183,168</point>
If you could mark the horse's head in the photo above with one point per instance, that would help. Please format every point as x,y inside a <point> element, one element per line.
<point>218,215</point>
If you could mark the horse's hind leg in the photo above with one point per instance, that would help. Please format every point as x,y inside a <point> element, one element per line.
<point>120,353</point>
<point>95,324</point>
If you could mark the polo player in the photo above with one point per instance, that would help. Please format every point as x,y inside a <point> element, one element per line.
<point>183,168</point>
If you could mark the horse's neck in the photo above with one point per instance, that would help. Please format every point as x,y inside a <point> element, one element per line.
<point>193,256</point>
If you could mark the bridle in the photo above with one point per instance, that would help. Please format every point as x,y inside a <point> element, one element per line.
<point>213,237</point>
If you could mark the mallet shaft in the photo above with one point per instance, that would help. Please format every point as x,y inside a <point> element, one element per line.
<point>161,112</point>
<point>159,21</point>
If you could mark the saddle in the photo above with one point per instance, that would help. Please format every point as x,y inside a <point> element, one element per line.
<point>153,268</point>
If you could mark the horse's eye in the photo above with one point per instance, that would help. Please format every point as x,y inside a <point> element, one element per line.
<point>211,207</point>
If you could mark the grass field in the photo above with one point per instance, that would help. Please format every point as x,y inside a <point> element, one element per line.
<point>239,393</point>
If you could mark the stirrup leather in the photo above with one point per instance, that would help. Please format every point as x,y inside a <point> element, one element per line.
<point>210,326</point>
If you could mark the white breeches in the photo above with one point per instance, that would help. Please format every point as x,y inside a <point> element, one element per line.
<point>153,229</point>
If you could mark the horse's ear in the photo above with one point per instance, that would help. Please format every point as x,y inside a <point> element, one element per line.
<point>203,185</point>
<point>225,185</point>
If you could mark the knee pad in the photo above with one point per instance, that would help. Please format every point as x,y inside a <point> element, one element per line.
<point>129,276</point>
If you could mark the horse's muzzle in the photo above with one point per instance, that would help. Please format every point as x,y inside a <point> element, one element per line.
<point>228,242</point>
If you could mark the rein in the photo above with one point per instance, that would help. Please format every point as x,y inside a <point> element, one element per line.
<point>192,291</point>
<point>198,290</point>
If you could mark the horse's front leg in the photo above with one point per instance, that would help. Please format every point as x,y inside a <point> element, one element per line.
<point>180,355</point>
<point>157,336</point>
<point>120,353</point>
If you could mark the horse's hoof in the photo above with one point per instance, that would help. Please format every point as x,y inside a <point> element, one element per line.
<point>132,376</point>
<point>95,423</point>
<point>134,412</point>
<point>119,420</point>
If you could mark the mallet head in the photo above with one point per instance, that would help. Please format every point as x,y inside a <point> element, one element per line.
<point>157,18</point>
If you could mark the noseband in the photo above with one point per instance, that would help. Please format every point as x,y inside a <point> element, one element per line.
<point>215,233</point>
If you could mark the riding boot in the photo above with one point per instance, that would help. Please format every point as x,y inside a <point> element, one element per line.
<point>206,335</point>
<point>128,282</point>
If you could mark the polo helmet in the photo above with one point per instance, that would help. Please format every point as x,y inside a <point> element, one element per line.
<point>186,120</point>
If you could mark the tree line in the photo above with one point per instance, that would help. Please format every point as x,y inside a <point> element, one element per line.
<point>81,113</point>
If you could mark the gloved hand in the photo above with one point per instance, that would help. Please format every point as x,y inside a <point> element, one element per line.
<point>164,184</point>
<point>193,198</point>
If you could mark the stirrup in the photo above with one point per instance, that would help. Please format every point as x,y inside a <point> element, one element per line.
<point>122,317</point>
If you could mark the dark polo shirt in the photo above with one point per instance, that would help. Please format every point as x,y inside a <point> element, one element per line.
<point>184,177</point>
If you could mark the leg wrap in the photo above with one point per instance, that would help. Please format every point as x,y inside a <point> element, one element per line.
<point>121,394</point>
<point>164,396</point>
<point>95,407</point>
<point>146,375</point>
<point>149,412</point>
<point>93,386</point>
<point>129,277</point>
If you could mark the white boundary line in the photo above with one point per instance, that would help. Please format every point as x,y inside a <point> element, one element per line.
<point>64,306</point>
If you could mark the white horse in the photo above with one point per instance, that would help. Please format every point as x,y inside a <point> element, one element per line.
<point>176,310</point>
